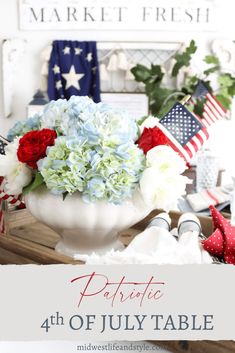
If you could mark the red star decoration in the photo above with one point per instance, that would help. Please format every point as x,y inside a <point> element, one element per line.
<point>222,242</point>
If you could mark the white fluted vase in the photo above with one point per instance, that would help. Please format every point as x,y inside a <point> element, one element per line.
<point>85,227</point>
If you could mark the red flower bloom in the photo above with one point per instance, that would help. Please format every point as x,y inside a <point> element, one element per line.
<point>33,145</point>
<point>151,137</point>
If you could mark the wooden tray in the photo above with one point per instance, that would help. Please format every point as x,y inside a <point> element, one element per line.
<point>29,241</point>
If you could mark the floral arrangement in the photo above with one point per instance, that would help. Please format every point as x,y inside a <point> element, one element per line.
<point>80,146</point>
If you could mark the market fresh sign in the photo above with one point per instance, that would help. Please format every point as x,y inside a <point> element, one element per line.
<point>117,14</point>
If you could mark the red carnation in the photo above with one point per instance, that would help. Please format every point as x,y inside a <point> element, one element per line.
<point>151,137</point>
<point>33,145</point>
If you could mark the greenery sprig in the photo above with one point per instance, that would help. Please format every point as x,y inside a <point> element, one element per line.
<point>161,98</point>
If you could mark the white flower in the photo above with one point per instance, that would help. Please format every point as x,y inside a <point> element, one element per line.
<point>149,123</point>
<point>161,184</point>
<point>162,190</point>
<point>17,174</point>
<point>166,160</point>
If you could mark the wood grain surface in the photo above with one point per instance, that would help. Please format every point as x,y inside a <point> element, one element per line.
<point>29,241</point>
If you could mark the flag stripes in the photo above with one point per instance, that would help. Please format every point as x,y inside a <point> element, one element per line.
<point>188,151</point>
<point>213,111</point>
<point>11,199</point>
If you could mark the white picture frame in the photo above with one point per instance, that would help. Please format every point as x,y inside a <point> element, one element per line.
<point>136,104</point>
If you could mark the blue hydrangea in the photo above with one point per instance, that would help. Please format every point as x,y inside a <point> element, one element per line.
<point>82,117</point>
<point>22,127</point>
<point>66,116</point>
<point>99,173</point>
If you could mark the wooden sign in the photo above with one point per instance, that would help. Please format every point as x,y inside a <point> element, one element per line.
<point>118,15</point>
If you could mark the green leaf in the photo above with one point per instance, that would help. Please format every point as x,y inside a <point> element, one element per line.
<point>199,107</point>
<point>141,73</point>
<point>150,88</point>
<point>231,91</point>
<point>190,85</point>
<point>167,106</point>
<point>211,70</point>
<point>193,80</point>
<point>158,96</point>
<point>184,59</point>
<point>190,107</point>
<point>226,90</point>
<point>141,120</point>
<point>37,181</point>
<point>207,84</point>
<point>176,69</point>
<point>225,101</point>
<point>192,48</point>
<point>226,80</point>
<point>156,72</point>
<point>211,59</point>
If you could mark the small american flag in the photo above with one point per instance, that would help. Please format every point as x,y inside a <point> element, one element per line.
<point>185,133</point>
<point>212,110</point>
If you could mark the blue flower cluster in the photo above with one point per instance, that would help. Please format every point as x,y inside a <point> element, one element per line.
<point>80,116</point>
<point>100,173</point>
<point>22,127</point>
<point>95,152</point>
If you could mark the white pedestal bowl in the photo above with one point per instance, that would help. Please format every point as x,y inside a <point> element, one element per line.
<point>85,227</point>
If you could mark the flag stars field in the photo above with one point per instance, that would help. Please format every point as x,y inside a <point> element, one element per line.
<point>58,84</point>
<point>66,50</point>
<point>89,57</point>
<point>78,51</point>
<point>56,69</point>
<point>72,78</point>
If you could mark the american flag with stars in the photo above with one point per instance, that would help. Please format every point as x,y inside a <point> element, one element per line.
<point>73,70</point>
<point>212,110</point>
<point>185,133</point>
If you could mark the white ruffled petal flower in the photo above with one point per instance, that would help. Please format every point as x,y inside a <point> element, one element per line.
<point>161,183</point>
<point>166,160</point>
<point>162,190</point>
<point>16,174</point>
